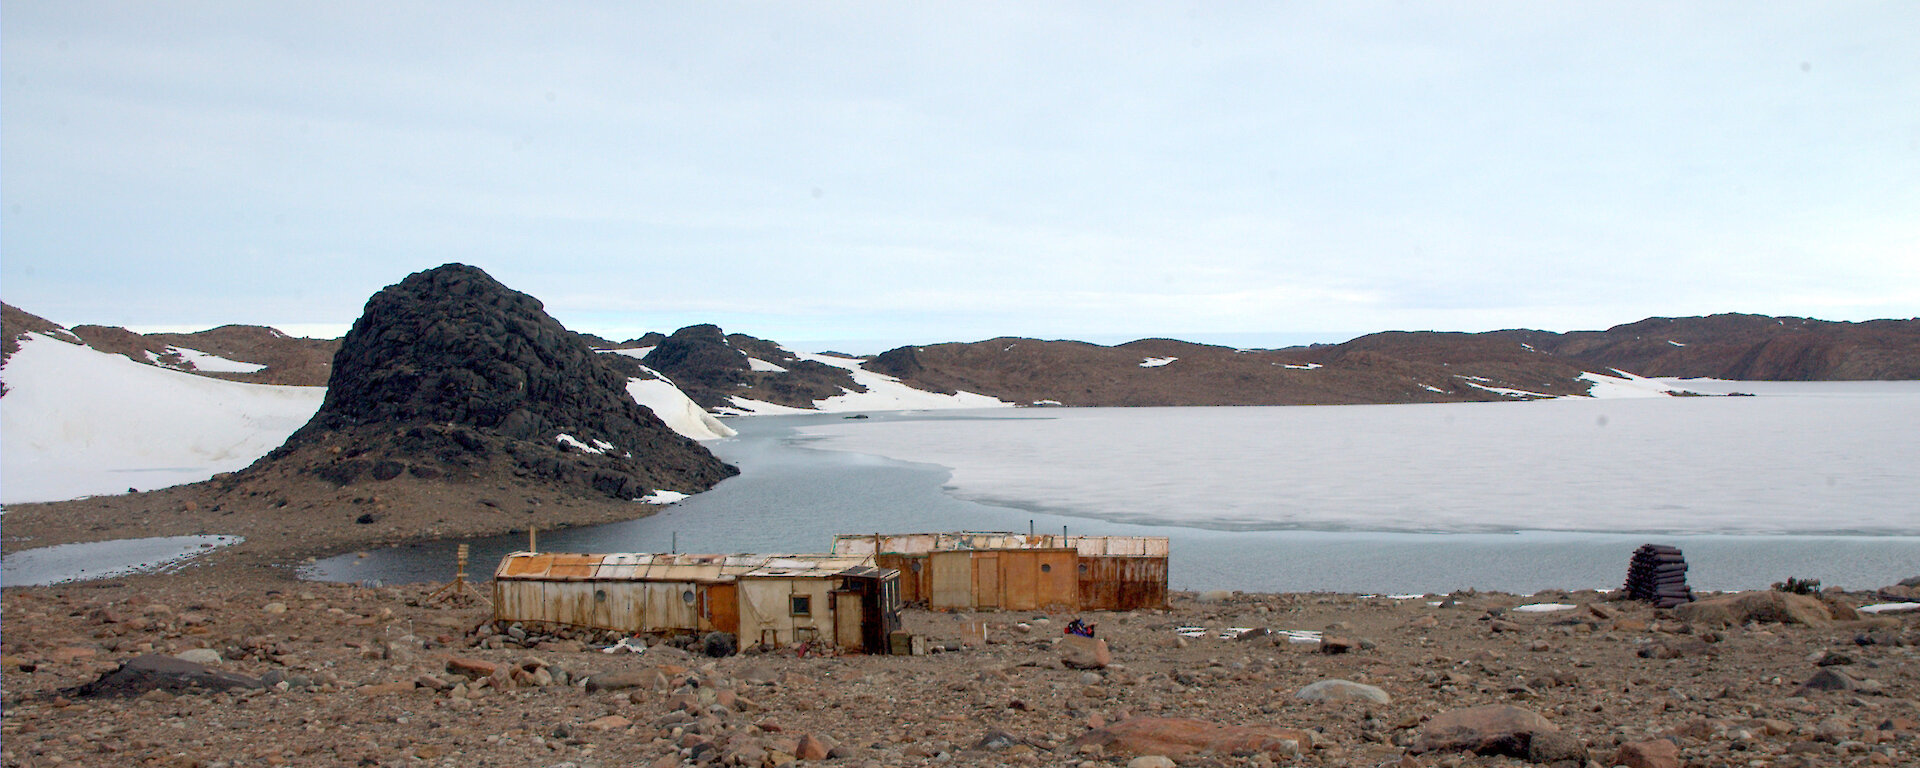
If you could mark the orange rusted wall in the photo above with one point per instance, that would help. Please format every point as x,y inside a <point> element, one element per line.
<point>1122,583</point>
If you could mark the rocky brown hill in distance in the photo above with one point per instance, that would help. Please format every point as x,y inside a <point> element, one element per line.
<point>1745,348</point>
<point>1382,368</point>
<point>286,359</point>
<point>451,374</point>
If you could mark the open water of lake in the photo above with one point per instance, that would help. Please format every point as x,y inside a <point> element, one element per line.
<point>1807,480</point>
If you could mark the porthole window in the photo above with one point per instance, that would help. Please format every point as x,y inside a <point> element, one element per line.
<point>599,595</point>
<point>1046,567</point>
<point>1083,567</point>
<point>687,597</point>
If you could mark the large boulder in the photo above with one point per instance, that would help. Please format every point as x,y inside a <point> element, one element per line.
<point>1760,606</point>
<point>1498,729</point>
<point>1077,652</point>
<point>154,672</point>
<point>1180,737</point>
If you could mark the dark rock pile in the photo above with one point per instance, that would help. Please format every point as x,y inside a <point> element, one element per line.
<point>451,374</point>
<point>1658,575</point>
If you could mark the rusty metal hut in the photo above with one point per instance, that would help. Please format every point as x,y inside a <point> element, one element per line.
<point>973,570</point>
<point>667,594</point>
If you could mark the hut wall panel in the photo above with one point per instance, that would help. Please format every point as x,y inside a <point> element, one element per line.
<point>1019,581</point>
<point>916,578</point>
<point>952,580</point>
<point>987,589</point>
<point>1056,586</point>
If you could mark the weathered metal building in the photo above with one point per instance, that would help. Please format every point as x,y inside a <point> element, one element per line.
<point>969,570</point>
<point>844,601</point>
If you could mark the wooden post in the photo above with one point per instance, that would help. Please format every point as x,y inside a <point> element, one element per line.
<point>459,585</point>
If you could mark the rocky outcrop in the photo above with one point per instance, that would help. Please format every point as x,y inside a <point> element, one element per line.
<point>712,368</point>
<point>1769,606</point>
<point>153,672</point>
<point>449,374</point>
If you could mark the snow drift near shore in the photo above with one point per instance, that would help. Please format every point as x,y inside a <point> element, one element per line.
<point>78,422</point>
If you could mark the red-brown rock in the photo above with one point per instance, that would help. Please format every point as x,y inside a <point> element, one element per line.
<point>810,748</point>
<point>1653,753</point>
<point>472,667</point>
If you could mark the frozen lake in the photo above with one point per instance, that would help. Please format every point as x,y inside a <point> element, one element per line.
<point>1806,480</point>
<point>1829,458</point>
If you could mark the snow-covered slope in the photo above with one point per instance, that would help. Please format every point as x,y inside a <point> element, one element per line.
<point>676,409</point>
<point>77,422</point>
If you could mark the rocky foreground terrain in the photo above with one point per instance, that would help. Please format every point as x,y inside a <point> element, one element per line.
<point>388,676</point>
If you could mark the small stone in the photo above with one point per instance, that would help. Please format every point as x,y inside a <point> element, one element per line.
<point>1343,690</point>
<point>1828,679</point>
<point>609,723</point>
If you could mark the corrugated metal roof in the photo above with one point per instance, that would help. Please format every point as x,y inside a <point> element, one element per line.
<point>816,566</point>
<point>923,543</point>
<point>628,566</point>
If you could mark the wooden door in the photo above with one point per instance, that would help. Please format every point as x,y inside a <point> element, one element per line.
<point>986,580</point>
<point>846,620</point>
<point>720,607</point>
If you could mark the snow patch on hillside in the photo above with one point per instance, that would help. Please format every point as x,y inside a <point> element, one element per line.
<point>1505,391</point>
<point>1625,385</point>
<point>676,409</point>
<point>204,362</point>
<point>1157,362</point>
<point>886,393</point>
<point>79,422</point>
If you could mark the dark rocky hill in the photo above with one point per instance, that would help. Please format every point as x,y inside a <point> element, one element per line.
<point>712,368</point>
<point>449,374</point>
<point>1745,347</point>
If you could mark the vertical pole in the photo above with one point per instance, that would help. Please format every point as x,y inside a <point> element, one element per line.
<point>676,543</point>
<point>533,533</point>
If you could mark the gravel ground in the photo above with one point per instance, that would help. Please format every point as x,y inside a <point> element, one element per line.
<point>372,676</point>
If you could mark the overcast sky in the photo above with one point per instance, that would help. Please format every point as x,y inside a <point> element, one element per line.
<point>861,175</point>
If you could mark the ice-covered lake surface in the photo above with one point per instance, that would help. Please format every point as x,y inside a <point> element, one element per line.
<point>1805,480</point>
<point>104,559</point>
<point>1829,458</point>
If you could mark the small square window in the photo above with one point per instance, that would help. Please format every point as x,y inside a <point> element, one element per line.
<point>802,605</point>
